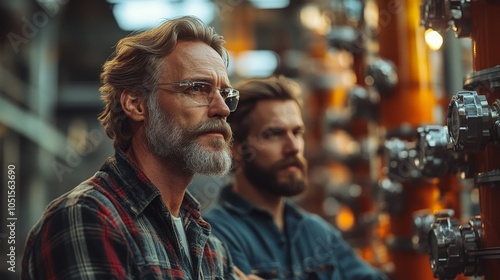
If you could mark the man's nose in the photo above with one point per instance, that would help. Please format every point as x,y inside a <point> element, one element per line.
<point>218,107</point>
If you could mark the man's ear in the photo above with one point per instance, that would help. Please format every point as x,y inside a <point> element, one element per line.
<point>133,105</point>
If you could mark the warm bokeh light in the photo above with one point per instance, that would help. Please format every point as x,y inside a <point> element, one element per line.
<point>433,39</point>
<point>256,63</point>
<point>345,218</point>
<point>312,18</point>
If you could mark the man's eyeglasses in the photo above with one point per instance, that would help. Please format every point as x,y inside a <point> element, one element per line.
<point>203,93</point>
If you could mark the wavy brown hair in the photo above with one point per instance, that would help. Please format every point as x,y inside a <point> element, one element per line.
<point>138,63</point>
<point>254,90</point>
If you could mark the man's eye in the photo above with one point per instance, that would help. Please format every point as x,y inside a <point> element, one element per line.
<point>200,88</point>
<point>271,133</point>
<point>299,132</point>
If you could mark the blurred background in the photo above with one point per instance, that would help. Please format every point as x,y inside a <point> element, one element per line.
<point>400,107</point>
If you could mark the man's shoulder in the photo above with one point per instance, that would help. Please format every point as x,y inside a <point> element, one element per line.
<point>312,221</point>
<point>230,206</point>
<point>218,214</point>
<point>226,223</point>
<point>90,194</point>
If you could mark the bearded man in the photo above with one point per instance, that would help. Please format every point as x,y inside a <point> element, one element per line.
<point>167,95</point>
<point>267,234</point>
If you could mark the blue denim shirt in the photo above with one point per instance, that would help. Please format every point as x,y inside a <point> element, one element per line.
<point>309,247</point>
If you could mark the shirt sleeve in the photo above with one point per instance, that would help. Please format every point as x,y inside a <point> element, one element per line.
<point>77,242</point>
<point>239,257</point>
<point>230,273</point>
<point>351,266</point>
<point>235,250</point>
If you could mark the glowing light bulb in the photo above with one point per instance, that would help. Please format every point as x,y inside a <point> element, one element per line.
<point>433,39</point>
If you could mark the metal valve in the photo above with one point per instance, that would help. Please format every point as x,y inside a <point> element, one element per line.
<point>382,75</point>
<point>453,247</point>
<point>346,38</point>
<point>422,221</point>
<point>363,104</point>
<point>433,157</point>
<point>441,14</point>
<point>391,196</point>
<point>460,12</point>
<point>471,235</point>
<point>401,160</point>
<point>435,14</point>
<point>472,123</point>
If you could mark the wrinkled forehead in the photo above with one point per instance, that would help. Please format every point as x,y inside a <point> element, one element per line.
<point>195,60</point>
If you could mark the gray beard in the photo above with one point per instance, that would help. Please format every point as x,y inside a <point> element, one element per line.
<point>181,148</point>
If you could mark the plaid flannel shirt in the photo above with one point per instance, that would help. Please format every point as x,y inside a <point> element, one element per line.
<point>116,226</point>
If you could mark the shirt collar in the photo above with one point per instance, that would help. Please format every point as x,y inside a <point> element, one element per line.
<point>231,200</point>
<point>133,187</point>
<point>191,205</point>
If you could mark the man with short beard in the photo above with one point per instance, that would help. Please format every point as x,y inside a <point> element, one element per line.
<point>167,95</point>
<point>267,234</point>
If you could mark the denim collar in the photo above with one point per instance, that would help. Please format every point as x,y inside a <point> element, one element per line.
<point>235,202</point>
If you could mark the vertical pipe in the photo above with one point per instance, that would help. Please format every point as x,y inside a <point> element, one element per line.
<point>489,195</point>
<point>485,33</point>
<point>485,41</point>
<point>401,40</point>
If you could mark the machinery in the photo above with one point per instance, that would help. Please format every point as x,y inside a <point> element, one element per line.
<point>404,107</point>
<point>381,115</point>
<point>473,122</point>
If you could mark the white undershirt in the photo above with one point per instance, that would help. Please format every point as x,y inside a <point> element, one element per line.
<point>182,235</point>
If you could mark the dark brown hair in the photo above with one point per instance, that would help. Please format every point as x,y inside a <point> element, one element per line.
<point>254,90</point>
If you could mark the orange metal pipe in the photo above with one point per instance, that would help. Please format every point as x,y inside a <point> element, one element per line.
<point>485,34</point>
<point>401,40</point>
<point>409,264</point>
<point>485,41</point>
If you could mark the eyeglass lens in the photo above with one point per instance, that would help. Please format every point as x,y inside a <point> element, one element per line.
<point>230,98</point>
<point>232,102</point>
